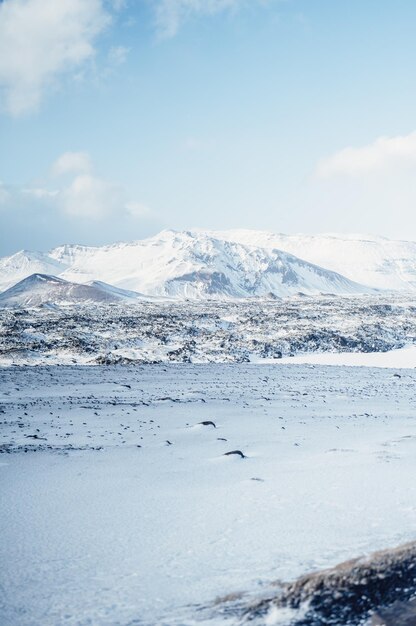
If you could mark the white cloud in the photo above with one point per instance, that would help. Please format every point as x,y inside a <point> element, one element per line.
<point>118,5</point>
<point>39,41</point>
<point>4,194</point>
<point>72,162</point>
<point>137,209</point>
<point>117,55</point>
<point>87,195</point>
<point>91,197</point>
<point>40,193</point>
<point>170,14</point>
<point>382,154</point>
<point>79,195</point>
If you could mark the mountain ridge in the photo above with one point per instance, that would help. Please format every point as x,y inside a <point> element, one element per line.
<point>183,264</point>
<point>367,259</point>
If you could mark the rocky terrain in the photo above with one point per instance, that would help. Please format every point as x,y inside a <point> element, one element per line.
<point>153,332</point>
<point>379,587</point>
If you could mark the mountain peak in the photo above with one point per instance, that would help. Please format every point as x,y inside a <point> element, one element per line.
<point>234,263</point>
<point>184,264</point>
<point>39,289</point>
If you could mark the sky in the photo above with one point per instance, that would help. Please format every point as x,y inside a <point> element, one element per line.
<point>119,118</point>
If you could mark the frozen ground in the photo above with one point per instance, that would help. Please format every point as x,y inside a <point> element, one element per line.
<point>402,357</point>
<point>125,511</point>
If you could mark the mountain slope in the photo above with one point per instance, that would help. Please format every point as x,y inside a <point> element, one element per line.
<point>196,265</point>
<point>24,263</point>
<point>375,261</point>
<point>39,289</point>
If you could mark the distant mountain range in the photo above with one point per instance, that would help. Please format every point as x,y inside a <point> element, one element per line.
<point>172,264</point>
<point>210,264</point>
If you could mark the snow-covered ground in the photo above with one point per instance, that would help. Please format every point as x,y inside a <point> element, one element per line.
<point>125,511</point>
<point>402,357</point>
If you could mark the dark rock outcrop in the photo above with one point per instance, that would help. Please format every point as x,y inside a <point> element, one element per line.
<point>380,585</point>
<point>399,614</point>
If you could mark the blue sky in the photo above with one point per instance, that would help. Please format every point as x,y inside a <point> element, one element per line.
<point>120,118</point>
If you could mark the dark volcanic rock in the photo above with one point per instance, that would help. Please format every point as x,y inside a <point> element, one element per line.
<point>399,614</point>
<point>235,452</point>
<point>352,591</point>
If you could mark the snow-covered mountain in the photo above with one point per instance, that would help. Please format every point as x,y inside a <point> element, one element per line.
<point>24,263</point>
<point>183,264</point>
<point>377,261</point>
<point>38,289</point>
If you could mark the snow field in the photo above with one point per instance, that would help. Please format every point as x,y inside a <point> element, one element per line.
<point>148,535</point>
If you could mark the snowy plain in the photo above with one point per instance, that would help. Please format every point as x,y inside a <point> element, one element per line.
<point>120,508</point>
<point>401,357</point>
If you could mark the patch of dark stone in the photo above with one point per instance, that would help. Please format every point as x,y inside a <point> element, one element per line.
<point>379,588</point>
<point>236,452</point>
<point>399,614</point>
<point>7,448</point>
